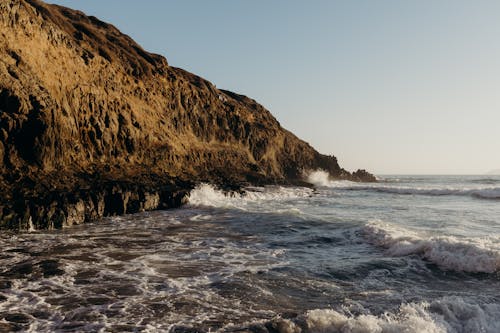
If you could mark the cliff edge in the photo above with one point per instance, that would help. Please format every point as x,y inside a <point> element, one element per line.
<point>91,125</point>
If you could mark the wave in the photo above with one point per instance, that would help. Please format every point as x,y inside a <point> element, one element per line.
<point>208,196</point>
<point>409,318</point>
<point>482,193</point>
<point>321,179</point>
<point>445,315</point>
<point>475,255</point>
<point>486,180</point>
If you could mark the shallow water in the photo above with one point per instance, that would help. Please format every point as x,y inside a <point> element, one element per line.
<point>407,254</point>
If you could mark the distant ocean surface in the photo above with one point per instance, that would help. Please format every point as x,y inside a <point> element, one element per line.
<point>406,254</point>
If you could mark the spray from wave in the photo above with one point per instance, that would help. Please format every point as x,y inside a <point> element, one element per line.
<point>448,252</point>
<point>321,178</point>
<point>253,197</point>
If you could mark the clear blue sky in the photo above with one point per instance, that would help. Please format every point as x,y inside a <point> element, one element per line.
<point>392,86</point>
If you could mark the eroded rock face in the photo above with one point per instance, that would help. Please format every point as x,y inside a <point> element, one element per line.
<point>79,97</point>
<point>52,204</point>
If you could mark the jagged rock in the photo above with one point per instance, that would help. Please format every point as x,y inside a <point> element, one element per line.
<point>362,175</point>
<point>84,108</point>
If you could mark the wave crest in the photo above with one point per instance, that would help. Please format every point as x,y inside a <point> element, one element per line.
<point>444,315</point>
<point>409,318</point>
<point>490,192</point>
<point>451,253</point>
<point>449,314</point>
<point>207,195</point>
<point>321,178</point>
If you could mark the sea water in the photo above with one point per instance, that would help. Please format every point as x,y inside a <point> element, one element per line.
<point>406,254</point>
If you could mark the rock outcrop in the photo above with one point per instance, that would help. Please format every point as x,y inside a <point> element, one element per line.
<point>86,114</point>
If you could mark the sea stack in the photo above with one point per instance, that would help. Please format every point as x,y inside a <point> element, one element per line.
<point>93,125</point>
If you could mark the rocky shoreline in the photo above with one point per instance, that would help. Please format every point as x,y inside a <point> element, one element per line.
<point>58,201</point>
<point>34,204</point>
<point>92,125</point>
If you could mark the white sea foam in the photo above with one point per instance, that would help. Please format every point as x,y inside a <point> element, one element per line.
<point>158,267</point>
<point>321,178</point>
<point>478,254</point>
<point>207,195</point>
<point>409,318</point>
<point>446,315</point>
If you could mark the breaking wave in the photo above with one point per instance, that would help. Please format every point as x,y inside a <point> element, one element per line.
<point>482,193</point>
<point>208,196</point>
<point>321,179</point>
<point>445,315</point>
<point>448,252</point>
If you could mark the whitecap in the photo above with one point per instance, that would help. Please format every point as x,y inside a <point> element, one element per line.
<point>410,318</point>
<point>321,178</point>
<point>208,196</point>
<point>449,314</point>
<point>472,254</point>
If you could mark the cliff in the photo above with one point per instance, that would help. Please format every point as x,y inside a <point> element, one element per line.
<point>87,115</point>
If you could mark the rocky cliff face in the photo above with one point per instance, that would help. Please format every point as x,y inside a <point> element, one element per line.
<point>81,103</point>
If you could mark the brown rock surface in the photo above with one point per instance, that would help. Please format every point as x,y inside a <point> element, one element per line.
<point>86,112</point>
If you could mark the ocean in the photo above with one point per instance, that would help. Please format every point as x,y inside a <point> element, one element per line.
<point>406,254</point>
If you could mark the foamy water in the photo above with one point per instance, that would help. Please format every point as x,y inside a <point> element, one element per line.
<point>407,254</point>
<point>489,188</point>
<point>468,254</point>
<point>441,316</point>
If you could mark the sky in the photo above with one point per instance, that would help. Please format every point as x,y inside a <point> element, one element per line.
<point>394,87</point>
